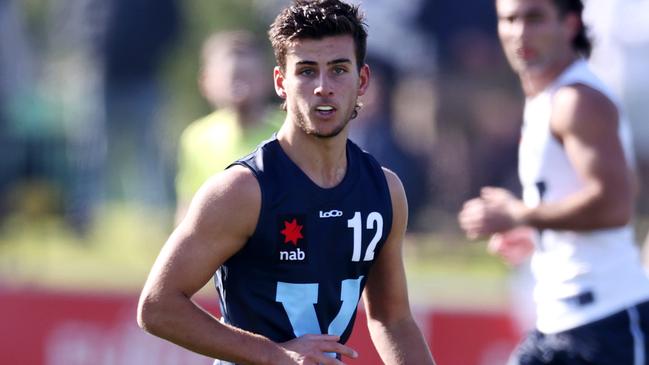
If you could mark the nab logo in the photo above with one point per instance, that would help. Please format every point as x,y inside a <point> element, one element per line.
<point>297,255</point>
<point>331,214</point>
<point>292,244</point>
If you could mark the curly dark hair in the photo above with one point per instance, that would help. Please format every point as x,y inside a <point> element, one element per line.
<point>315,19</point>
<point>580,43</point>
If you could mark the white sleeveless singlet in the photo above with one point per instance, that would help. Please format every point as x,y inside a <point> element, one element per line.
<point>581,276</point>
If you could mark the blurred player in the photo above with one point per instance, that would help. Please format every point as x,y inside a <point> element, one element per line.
<point>232,79</point>
<point>300,228</point>
<point>575,165</point>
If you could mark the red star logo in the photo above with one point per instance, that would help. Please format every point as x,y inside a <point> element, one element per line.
<point>292,232</point>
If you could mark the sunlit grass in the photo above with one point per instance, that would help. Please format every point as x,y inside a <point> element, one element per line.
<point>446,271</point>
<point>117,253</point>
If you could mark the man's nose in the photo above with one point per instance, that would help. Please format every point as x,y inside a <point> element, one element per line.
<point>323,86</point>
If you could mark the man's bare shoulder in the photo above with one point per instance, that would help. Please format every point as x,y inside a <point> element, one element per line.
<point>394,182</point>
<point>582,95</point>
<point>237,179</point>
<point>397,196</point>
<point>231,197</point>
<point>578,107</point>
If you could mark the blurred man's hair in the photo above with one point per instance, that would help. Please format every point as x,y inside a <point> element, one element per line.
<point>580,43</point>
<point>315,19</point>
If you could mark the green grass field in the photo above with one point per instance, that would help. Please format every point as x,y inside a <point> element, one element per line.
<point>115,255</point>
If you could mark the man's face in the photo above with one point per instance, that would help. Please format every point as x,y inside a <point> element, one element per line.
<point>533,35</point>
<point>234,79</point>
<point>321,84</point>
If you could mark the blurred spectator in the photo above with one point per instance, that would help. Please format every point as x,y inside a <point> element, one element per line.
<point>494,137</point>
<point>395,22</point>
<point>235,81</point>
<point>446,20</point>
<point>16,84</point>
<point>139,34</point>
<point>52,138</point>
<point>72,58</point>
<point>478,120</point>
<point>373,130</point>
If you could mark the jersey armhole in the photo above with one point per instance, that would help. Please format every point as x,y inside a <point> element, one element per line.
<point>262,191</point>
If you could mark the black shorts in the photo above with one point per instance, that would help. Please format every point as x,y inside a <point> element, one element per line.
<point>619,339</point>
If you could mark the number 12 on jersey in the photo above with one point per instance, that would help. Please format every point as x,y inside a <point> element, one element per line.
<point>374,222</point>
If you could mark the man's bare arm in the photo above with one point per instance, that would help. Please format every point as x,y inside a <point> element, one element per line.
<point>221,217</point>
<point>585,122</point>
<point>220,220</point>
<point>392,328</point>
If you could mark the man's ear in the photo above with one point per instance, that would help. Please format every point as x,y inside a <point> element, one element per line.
<point>572,25</point>
<point>364,79</point>
<point>279,82</point>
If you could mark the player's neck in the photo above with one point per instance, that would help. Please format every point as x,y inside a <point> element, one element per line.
<point>535,81</point>
<point>323,160</point>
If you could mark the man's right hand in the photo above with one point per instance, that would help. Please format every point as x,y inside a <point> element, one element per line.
<point>317,350</point>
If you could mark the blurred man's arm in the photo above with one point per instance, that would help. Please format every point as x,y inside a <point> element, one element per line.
<point>392,328</point>
<point>585,122</point>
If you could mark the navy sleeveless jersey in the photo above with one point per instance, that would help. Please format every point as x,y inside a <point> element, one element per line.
<point>305,266</point>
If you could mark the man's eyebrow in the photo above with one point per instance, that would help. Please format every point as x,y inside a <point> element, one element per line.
<point>333,62</point>
<point>339,60</point>
<point>310,63</point>
<point>531,12</point>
